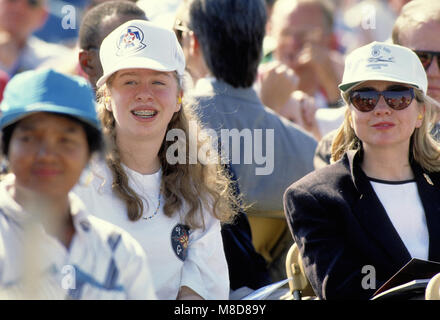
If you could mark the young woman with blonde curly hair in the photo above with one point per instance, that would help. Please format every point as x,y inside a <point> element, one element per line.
<point>174,210</point>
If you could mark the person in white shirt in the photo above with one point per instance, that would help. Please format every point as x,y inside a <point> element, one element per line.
<point>50,246</point>
<point>153,182</point>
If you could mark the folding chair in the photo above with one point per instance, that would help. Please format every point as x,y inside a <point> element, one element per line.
<point>299,285</point>
<point>433,289</point>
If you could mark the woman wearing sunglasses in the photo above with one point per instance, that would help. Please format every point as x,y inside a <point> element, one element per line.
<point>361,219</point>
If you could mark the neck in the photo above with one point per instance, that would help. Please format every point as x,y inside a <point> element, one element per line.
<point>140,155</point>
<point>53,212</point>
<point>387,164</point>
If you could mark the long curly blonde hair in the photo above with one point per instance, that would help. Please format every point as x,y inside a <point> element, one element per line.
<point>425,149</point>
<point>200,186</point>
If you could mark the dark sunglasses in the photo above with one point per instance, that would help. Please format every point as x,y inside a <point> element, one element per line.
<point>426,57</point>
<point>396,97</point>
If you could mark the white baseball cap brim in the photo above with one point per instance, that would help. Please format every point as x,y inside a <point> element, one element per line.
<point>379,77</point>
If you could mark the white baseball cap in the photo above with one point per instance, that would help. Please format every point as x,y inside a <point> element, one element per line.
<point>140,44</point>
<point>383,61</point>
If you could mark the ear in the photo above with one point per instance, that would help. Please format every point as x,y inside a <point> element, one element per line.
<point>84,61</point>
<point>194,44</point>
<point>179,101</point>
<point>420,116</point>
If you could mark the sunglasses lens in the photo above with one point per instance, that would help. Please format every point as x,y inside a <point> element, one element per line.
<point>364,101</point>
<point>425,58</point>
<point>399,98</point>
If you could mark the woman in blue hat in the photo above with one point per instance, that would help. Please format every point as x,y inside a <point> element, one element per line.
<point>361,219</point>
<point>51,246</point>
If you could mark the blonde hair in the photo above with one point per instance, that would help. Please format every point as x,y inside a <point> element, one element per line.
<point>424,148</point>
<point>200,186</point>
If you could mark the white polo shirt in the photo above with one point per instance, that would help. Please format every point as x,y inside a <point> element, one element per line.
<point>102,262</point>
<point>177,256</point>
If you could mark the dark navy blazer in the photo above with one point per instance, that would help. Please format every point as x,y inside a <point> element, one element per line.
<point>340,226</point>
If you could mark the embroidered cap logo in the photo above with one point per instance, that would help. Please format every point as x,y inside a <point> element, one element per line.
<point>380,57</point>
<point>130,41</point>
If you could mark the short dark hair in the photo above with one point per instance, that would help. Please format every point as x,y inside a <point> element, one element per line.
<point>89,32</point>
<point>230,33</point>
<point>94,136</point>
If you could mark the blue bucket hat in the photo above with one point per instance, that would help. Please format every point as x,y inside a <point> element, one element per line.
<point>48,91</point>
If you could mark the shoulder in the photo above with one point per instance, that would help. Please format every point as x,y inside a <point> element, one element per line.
<point>103,234</point>
<point>96,176</point>
<point>327,180</point>
<point>112,237</point>
<point>285,127</point>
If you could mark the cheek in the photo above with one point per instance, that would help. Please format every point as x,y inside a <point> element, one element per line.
<point>19,157</point>
<point>75,163</point>
<point>169,99</point>
<point>359,123</point>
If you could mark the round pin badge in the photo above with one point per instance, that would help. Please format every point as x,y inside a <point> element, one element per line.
<point>179,240</point>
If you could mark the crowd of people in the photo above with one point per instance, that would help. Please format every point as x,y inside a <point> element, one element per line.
<point>182,160</point>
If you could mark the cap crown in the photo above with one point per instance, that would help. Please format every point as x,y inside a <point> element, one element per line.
<point>48,91</point>
<point>383,61</point>
<point>140,44</point>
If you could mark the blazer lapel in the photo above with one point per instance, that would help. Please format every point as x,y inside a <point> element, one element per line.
<point>372,215</point>
<point>429,192</point>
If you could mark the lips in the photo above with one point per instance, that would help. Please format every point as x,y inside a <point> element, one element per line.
<point>46,172</point>
<point>383,125</point>
<point>144,113</point>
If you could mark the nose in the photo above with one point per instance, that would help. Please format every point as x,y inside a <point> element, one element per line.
<point>433,70</point>
<point>46,151</point>
<point>144,94</point>
<point>381,107</point>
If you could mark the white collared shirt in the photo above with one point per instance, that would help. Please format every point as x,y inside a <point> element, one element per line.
<point>102,262</point>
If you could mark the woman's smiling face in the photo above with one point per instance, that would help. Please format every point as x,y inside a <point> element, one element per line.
<point>143,101</point>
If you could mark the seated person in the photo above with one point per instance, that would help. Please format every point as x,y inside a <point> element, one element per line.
<point>378,205</point>
<point>51,248</point>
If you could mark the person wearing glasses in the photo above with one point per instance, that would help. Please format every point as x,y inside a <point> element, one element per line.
<point>417,27</point>
<point>378,205</point>
<point>19,49</point>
